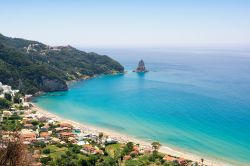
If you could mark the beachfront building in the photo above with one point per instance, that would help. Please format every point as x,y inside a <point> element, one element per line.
<point>63,124</point>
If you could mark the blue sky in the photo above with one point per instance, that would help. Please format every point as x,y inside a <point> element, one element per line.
<point>128,23</point>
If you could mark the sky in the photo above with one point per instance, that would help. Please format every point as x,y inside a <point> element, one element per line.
<point>128,23</point>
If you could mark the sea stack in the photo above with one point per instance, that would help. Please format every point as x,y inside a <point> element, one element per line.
<point>141,67</point>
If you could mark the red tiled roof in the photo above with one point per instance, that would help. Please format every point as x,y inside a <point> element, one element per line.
<point>66,134</point>
<point>169,158</point>
<point>66,125</point>
<point>127,157</point>
<point>28,125</point>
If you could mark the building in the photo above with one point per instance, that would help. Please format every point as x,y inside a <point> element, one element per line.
<point>45,135</point>
<point>65,135</point>
<point>27,135</point>
<point>66,125</point>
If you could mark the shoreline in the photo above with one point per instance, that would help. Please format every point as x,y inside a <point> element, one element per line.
<point>124,138</point>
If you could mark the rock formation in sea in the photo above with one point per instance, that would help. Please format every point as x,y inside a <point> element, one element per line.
<point>141,67</point>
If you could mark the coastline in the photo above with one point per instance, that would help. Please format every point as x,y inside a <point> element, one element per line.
<point>123,138</point>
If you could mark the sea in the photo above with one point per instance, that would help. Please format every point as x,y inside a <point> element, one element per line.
<point>195,100</point>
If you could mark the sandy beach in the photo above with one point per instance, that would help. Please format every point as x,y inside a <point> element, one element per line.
<point>122,138</point>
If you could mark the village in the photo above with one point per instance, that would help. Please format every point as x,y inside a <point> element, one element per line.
<point>54,142</point>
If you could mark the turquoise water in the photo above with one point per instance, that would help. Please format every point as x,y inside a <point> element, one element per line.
<point>198,102</point>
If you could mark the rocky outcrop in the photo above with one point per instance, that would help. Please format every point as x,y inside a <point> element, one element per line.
<point>51,85</point>
<point>141,67</point>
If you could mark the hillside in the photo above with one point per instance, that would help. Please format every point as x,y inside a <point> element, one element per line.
<point>32,66</point>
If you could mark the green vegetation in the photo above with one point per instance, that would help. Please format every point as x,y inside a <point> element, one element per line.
<point>17,98</point>
<point>42,68</point>
<point>4,104</point>
<point>8,96</point>
<point>114,150</point>
<point>11,124</point>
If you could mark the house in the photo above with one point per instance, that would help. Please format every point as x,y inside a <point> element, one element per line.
<point>182,161</point>
<point>65,135</point>
<point>81,143</point>
<point>42,119</point>
<point>26,105</point>
<point>99,152</point>
<point>27,135</point>
<point>7,113</point>
<point>127,157</point>
<point>45,134</point>
<point>28,126</point>
<point>170,158</point>
<point>89,148</point>
<point>51,121</point>
<point>55,140</point>
<point>66,125</point>
<point>72,139</point>
<point>7,89</point>
<point>136,148</point>
<point>147,151</point>
<point>44,128</point>
<point>25,120</point>
<point>31,116</point>
<point>27,98</point>
<point>77,130</point>
<point>110,141</point>
<point>82,136</point>
<point>40,139</point>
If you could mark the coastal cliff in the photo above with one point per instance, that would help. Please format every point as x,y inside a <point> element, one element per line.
<point>32,66</point>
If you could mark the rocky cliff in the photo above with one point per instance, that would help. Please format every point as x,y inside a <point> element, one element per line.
<point>141,67</point>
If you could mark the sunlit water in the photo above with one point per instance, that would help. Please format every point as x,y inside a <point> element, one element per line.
<point>198,102</point>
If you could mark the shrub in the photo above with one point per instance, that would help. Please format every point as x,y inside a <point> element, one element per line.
<point>4,103</point>
<point>46,151</point>
<point>45,160</point>
<point>8,96</point>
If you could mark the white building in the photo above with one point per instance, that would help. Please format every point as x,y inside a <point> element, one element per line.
<point>7,89</point>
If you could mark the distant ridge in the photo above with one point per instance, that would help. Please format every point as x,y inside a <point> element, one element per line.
<point>32,66</point>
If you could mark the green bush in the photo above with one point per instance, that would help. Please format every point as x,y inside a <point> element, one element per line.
<point>4,103</point>
<point>46,151</point>
<point>8,96</point>
<point>17,98</point>
<point>45,160</point>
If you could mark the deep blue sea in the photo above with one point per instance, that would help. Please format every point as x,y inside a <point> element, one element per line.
<point>194,100</point>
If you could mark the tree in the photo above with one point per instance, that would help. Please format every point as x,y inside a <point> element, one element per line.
<point>13,151</point>
<point>46,151</point>
<point>8,96</point>
<point>17,98</point>
<point>92,159</point>
<point>100,136</point>
<point>128,148</point>
<point>202,160</point>
<point>45,160</point>
<point>109,161</point>
<point>34,122</point>
<point>156,146</point>
<point>4,104</point>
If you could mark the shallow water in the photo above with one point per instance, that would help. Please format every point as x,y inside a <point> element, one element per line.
<point>198,102</point>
